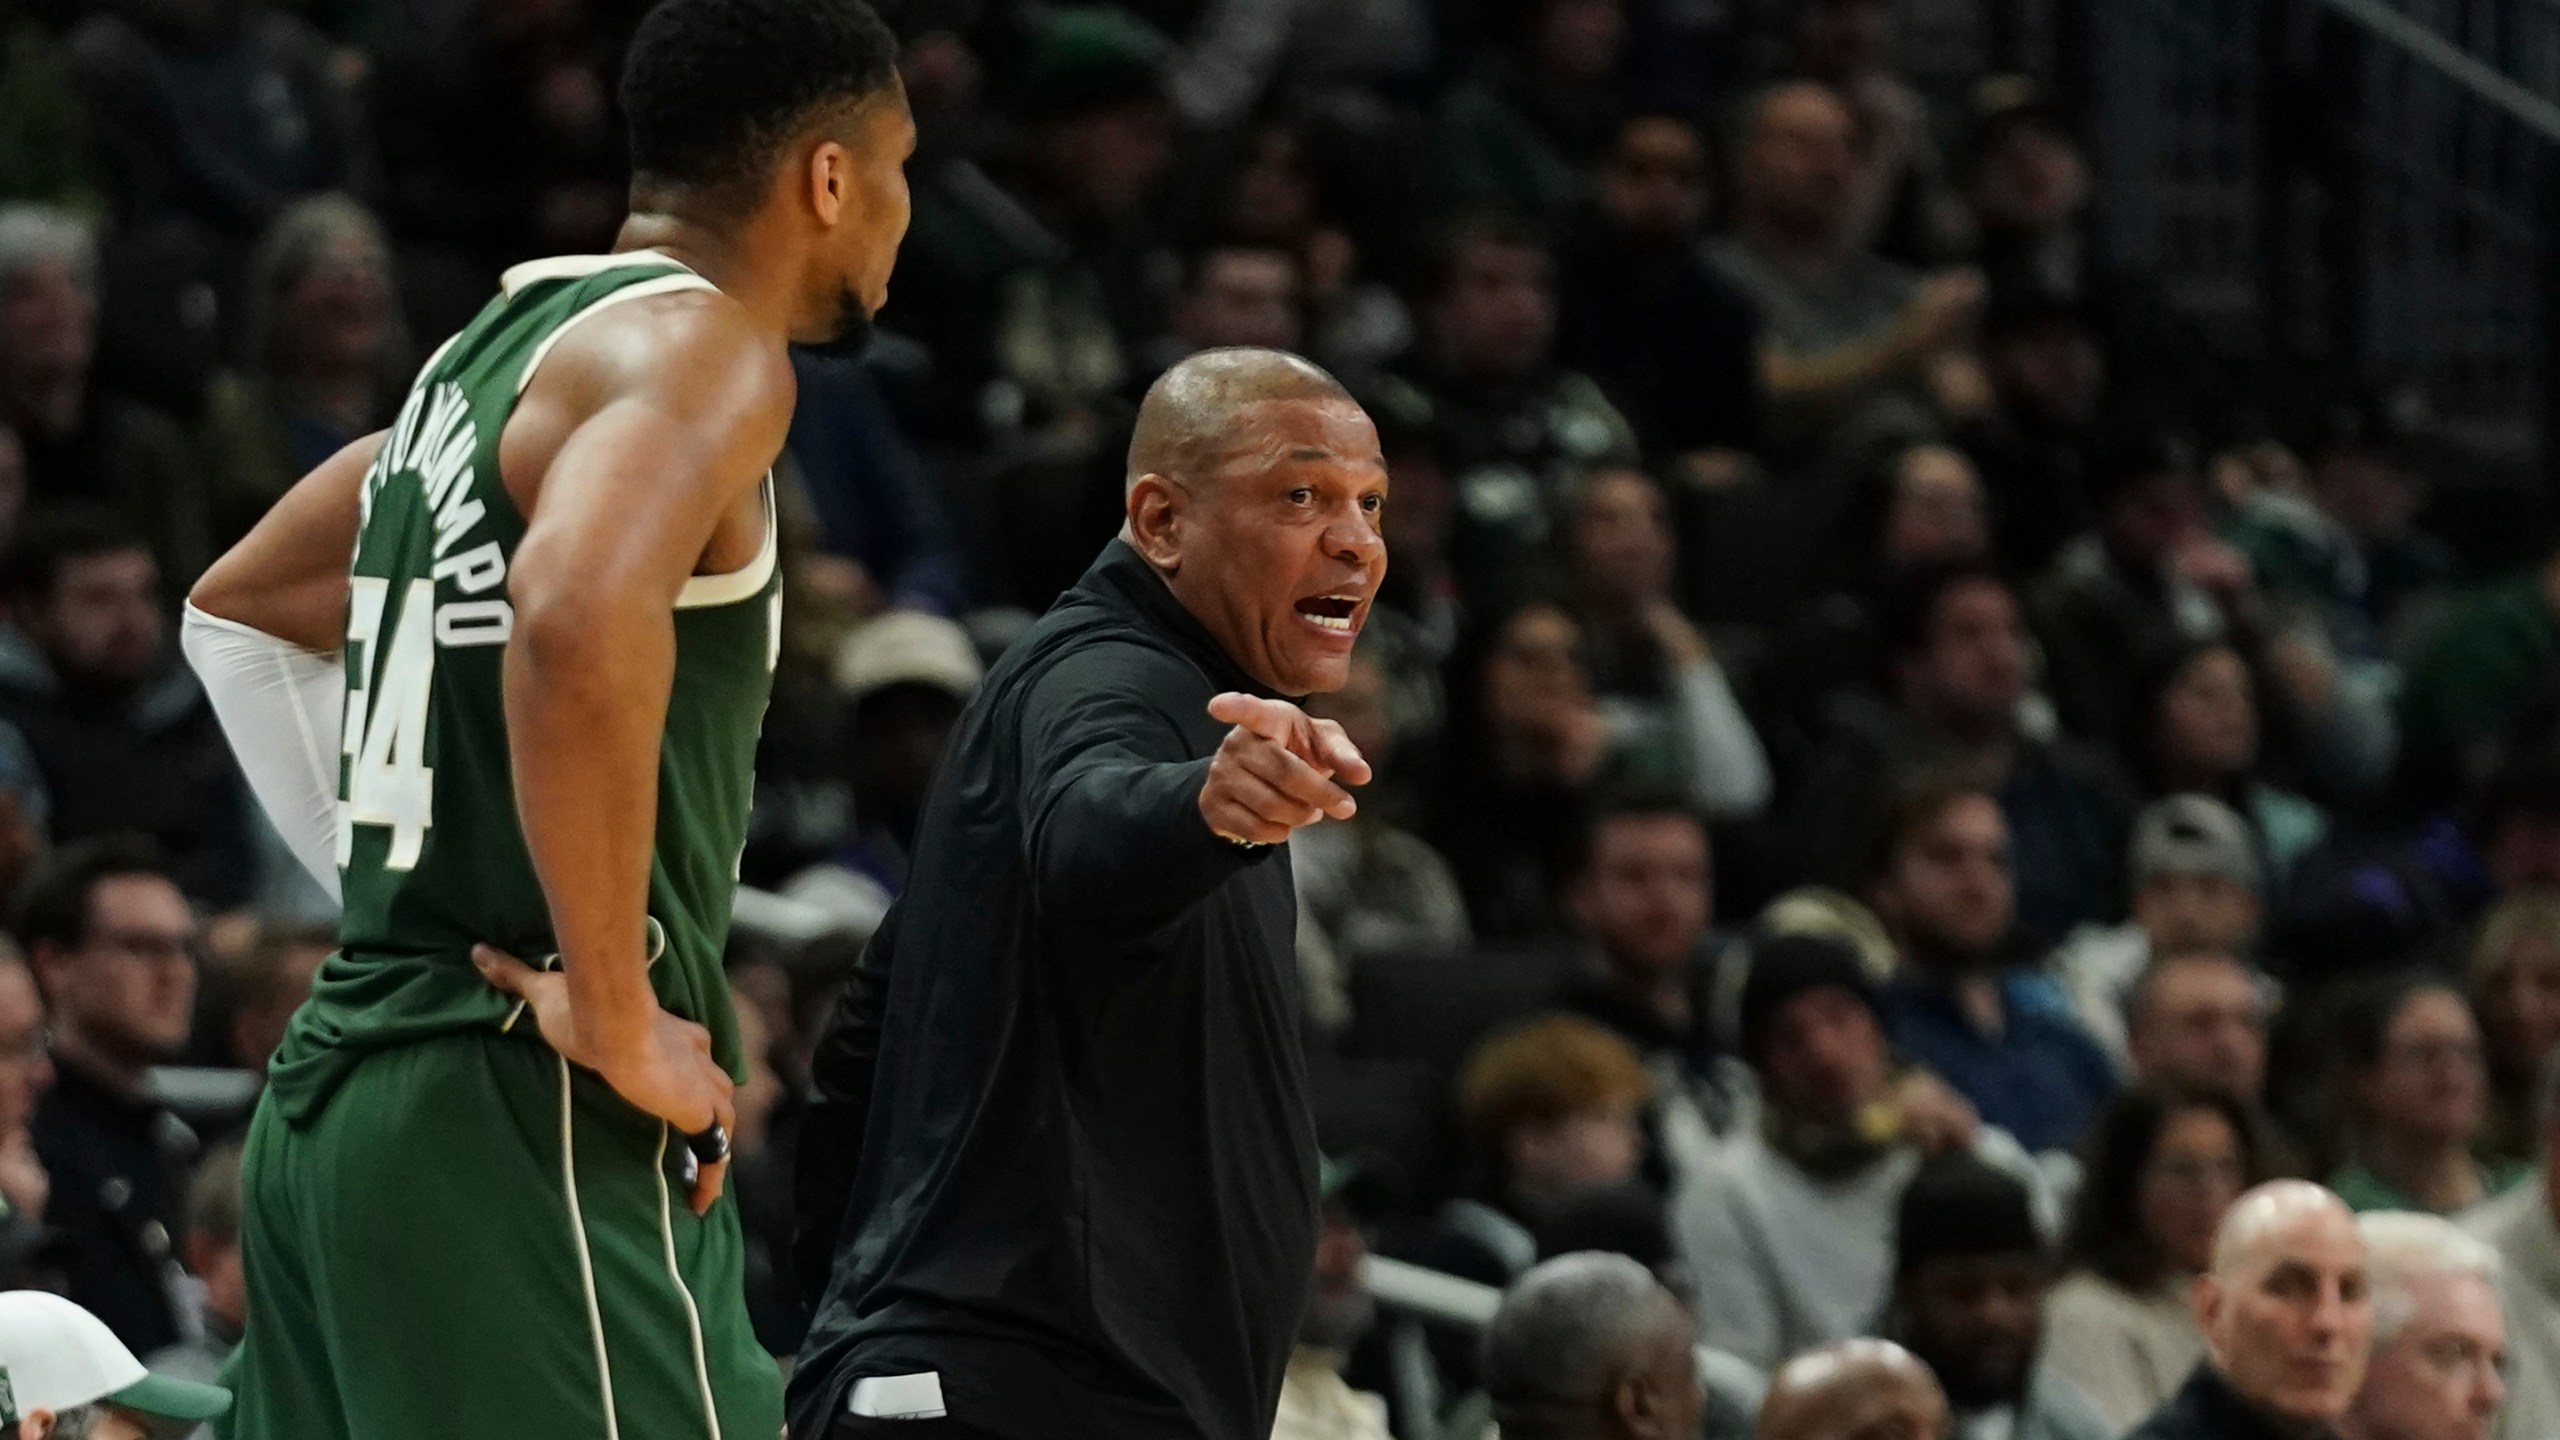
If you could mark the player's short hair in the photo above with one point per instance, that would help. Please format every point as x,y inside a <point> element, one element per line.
<point>713,89</point>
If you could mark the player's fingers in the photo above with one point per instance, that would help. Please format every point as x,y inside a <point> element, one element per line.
<point>1335,752</point>
<point>1277,721</point>
<point>710,1175</point>
<point>502,970</point>
<point>699,1037</point>
<point>707,1183</point>
<point>1298,780</point>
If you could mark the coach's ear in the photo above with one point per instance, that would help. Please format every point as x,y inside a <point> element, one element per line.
<point>37,1425</point>
<point>1154,524</point>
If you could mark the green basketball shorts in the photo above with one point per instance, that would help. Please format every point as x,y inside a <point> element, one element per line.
<point>473,1237</point>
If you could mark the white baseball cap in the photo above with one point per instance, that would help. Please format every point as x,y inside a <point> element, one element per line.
<point>55,1356</point>
<point>908,647</point>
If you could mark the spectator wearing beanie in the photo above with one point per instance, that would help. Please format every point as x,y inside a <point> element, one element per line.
<point>1971,1272</point>
<point>1786,1230</point>
<point>2197,886</point>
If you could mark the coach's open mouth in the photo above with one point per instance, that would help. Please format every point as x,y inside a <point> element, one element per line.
<point>1331,612</point>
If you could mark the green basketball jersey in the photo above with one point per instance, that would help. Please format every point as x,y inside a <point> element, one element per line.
<point>432,859</point>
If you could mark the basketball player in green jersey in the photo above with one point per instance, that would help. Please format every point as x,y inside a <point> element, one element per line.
<point>539,613</point>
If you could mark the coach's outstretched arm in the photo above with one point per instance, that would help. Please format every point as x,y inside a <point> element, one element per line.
<point>685,421</point>
<point>1126,830</point>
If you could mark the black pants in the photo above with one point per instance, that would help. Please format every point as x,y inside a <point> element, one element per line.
<point>862,1427</point>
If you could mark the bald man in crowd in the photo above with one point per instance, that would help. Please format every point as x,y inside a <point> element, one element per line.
<point>1855,1390</point>
<point>1061,1147</point>
<point>1590,1346</point>
<point>2287,1316</point>
<point>2439,1340</point>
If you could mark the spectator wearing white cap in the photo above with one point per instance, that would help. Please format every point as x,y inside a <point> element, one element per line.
<point>65,1376</point>
<point>2197,886</point>
<point>903,678</point>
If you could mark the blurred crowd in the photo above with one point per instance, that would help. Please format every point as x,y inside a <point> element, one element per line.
<point>1911,771</point>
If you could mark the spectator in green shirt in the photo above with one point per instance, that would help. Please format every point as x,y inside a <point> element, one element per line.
<point>2412,1096</point>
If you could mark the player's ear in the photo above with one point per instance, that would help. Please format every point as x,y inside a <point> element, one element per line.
<point>1154,516</point>
<point>828,176</point>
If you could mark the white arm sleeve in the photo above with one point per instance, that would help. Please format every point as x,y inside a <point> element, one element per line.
<point>280,706</point>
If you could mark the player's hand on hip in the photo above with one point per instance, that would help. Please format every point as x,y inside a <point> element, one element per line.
<point>1277,771</point>
<point>670,1074</point>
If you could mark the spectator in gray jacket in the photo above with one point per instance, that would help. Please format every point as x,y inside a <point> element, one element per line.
<point>1787,1228</point>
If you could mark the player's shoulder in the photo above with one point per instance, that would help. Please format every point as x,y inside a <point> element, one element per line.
<point>691,350</point>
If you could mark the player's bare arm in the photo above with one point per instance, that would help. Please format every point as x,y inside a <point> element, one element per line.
<point>667,414</point>
<point>288,576</point>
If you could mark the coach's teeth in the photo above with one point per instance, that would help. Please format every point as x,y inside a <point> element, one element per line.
<point>1332,622</point>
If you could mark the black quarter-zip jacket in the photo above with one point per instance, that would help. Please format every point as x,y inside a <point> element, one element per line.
<point>1060,1151</point>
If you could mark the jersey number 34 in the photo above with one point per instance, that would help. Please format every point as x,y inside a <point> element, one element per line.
<point>385,745</point>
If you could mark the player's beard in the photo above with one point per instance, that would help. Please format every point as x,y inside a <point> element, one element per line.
<point>852,330</point>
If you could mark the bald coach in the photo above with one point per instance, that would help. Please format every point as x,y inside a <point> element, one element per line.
<point>1060,1179</point>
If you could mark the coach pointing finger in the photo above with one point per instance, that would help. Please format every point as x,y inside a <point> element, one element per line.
<point>1058,1180</point>
<point>1276,771</point>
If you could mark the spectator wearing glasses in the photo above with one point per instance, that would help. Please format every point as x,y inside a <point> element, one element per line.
<point>2411,1097</point>
<point>113,946</point>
